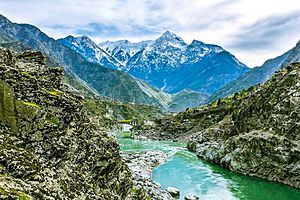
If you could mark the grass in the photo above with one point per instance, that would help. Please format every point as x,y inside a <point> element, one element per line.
<point>29,75</point>
<point>31,104</point>
<point>52,93</point>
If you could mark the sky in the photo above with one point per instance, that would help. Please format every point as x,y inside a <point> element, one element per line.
<point>252,30</point>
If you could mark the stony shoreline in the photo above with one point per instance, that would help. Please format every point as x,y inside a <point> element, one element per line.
<point>254,132</point>
<point>141,166</point>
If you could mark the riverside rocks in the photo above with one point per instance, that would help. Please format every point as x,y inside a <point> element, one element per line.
<point>49,149</point>
<point>173,191</point>
<point>191,197</point>
<point>254,132</point>
<point>141,166</point>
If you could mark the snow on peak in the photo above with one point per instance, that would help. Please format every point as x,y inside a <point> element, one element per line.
<point>170,39</point>
<point>88,49</point>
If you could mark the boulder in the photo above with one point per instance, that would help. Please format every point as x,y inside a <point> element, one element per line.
<point>191,197</point>
<point>174,192</point>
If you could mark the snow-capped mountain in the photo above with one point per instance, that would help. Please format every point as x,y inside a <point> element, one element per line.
<point>161,54</point>
<point>168,63</point>
<point>123,50</point>
<point>93,53</point>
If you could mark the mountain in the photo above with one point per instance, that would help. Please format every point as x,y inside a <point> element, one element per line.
<point>172,65</point>
<point>88,49</point>
<point>168,63</point>
<point>258,75</point>
<point>7,42</point>
<point>186,99</point>
<point>74,82</point>
<point>50,148</point>
<point>254,132</point>
<point>104,81</point>
<point>123,50</point>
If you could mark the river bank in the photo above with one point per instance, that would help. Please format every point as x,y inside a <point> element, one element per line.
<point>183,170</point>
<point>254,132</point>
<point>141,166</point>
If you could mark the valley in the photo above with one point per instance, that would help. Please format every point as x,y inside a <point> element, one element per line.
<point>183,170</point>
<point>158,119</point>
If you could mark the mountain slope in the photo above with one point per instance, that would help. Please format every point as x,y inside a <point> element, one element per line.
<point>254,132</point>
<point>9,43</point>
<point>167,61</point>
<point>123,50</point>
<point>176,102</point>
<point>88,49</point>
<point>258,75</point>
<point>107,82</point>
<point>186,99</point>
<point>49,147</point>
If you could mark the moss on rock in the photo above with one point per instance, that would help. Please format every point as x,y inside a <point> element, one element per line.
<point>49,149</point>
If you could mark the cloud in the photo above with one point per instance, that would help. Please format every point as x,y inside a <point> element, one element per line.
<point>249,29</point>
<point>127,18</point>
<point>266,32</point>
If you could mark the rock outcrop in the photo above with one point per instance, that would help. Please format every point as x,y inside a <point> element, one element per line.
<point>255,132</point>
<point>141,165</point>
<point>49,149</point>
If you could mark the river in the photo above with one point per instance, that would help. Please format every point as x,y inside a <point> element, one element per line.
<point>190,175</point>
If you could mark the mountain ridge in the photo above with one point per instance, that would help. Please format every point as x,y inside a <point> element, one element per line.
<point>254,132</point>
<point>106,82</point>
<point>259,74</point>
<point>155,61</point>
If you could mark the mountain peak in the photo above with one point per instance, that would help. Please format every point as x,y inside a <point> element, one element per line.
<point>168,35</point>
<point>124,41</point>
<point>68,38</point>
<point>85,39</point>
<point>170,38</point>
<point>197,42</point>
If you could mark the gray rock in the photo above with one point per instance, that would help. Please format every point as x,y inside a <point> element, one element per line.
<point>191,197</point>
<point>141,166</point>
<point>48,147</point>
<point>174,192</point>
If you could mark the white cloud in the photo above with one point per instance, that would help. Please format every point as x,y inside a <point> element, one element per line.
<point>224,22</point>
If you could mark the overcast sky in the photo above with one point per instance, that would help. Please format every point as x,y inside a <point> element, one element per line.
<point>253,30</point>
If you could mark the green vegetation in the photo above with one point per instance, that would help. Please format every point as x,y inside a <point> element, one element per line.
<point>29,75</point>
<point>249,132</point>
<point>55,92</point>
<point>125,121</point>
<point>31,104</point>
<point>52,119</point>
<point>23,196</point>
<point>109,112</point>
<point>59,133</point>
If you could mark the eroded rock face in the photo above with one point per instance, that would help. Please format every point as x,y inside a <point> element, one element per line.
<point>261,135</point>
<point>254,132</point>
<point>49,149</point>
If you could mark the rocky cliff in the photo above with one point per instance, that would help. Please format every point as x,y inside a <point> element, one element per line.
<point>255,132</point>
<point>49,149</point>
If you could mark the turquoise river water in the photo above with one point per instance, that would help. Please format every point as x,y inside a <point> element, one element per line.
<point>190,175</point>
